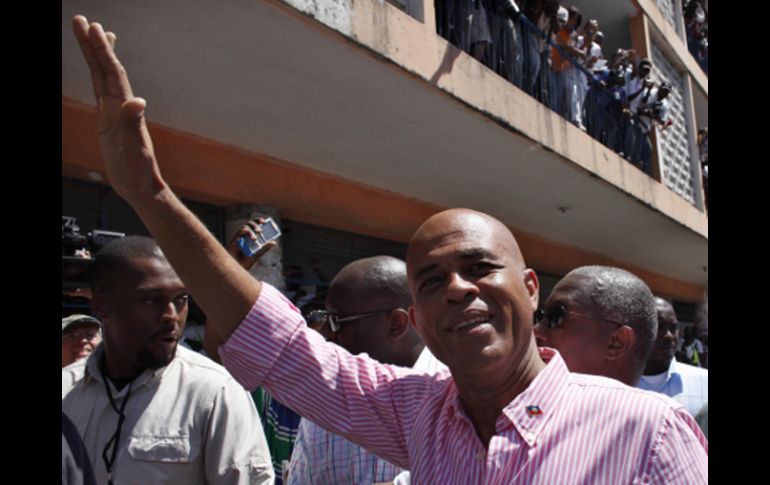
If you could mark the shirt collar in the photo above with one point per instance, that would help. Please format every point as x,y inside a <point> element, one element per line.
<point>532,409</point>
<point>147,377</point>
<point>668,373</point>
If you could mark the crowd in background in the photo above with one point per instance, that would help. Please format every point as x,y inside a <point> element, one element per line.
<point>551,52</point>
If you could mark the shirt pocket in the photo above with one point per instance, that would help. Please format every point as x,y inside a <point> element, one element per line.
<point>165,449</point>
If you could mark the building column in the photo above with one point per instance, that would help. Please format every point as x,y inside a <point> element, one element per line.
<point>692,138</point>
<point>270,266</point>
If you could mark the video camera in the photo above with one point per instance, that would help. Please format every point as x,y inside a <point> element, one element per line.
<point>77,251</point>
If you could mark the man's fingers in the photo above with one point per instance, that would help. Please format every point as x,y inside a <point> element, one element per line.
<point>112,38</point>
<point>254,227</point>
<point>80,27</point>
<point>133,110</point>
<point>115,77</point>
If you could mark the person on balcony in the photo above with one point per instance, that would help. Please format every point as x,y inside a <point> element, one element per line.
<point>653,108</point>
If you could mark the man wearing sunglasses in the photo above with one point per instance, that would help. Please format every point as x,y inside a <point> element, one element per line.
<point>601,320</point>
<point>505,413</point>
<point>366,313</point>
<point>685,383</point>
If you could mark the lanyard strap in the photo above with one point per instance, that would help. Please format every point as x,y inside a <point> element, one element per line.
<point>113,442</point>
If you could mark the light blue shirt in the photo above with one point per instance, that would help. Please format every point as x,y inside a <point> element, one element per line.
<point>686,384</point>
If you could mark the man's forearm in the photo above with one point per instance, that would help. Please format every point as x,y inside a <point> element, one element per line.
<point>224,290</point>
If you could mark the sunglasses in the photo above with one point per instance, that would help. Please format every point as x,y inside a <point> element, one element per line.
<point>334,321</point>
<point>552,316</point>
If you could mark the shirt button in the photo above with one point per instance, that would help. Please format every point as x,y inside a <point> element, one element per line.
<point>529,437</point>
<point>480,455</point>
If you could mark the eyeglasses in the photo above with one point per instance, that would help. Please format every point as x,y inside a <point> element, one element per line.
<point>333,320</point>
<point>77,335</point>
<point>552,316</point>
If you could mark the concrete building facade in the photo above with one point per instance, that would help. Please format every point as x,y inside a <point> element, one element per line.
<point>352,122</point>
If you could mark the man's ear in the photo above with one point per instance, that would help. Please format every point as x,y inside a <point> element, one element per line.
<point>533,287</point>
<point>399,321</point>
<point>622,342</point>
<point>412,313</point>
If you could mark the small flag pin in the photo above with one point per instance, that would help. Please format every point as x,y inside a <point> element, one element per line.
<point>534,410</point>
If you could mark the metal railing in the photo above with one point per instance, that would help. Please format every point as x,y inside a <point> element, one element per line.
<point>517,50</point>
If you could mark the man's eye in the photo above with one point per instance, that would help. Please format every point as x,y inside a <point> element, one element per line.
<point>481,268</point>
<point>430,283</point>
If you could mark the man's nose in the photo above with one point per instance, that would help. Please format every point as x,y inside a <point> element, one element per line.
<point>459,289</point>
<point>541,335</point>
<point>170,312</point>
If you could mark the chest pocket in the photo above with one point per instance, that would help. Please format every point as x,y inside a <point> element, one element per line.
<point>165,449</point>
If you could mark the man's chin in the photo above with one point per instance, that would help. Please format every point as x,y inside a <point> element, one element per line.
<point>155,359</point>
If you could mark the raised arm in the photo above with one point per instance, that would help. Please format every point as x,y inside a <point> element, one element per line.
<point>221,286</point>
<point>211,338</point>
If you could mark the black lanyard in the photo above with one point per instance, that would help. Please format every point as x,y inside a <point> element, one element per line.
<point>113,442</point>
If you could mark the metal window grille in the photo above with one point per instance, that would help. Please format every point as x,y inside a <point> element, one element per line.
<point>667,8</point>
<point>673,142</point>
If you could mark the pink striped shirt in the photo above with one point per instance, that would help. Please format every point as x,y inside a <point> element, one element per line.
<point>564,428</point>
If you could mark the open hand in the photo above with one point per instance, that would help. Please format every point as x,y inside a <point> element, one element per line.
<point>125,143</point>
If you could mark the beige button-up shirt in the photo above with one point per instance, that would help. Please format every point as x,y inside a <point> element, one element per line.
<point>187,423</point>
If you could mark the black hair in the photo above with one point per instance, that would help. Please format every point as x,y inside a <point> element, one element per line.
<point>114,257</point>
<point>575,12</point>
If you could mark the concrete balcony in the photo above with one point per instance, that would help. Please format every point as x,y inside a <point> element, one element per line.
<point>286,102</point>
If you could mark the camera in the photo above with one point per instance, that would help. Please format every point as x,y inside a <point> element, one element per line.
<point>270,231</point>
<point>76,251</point>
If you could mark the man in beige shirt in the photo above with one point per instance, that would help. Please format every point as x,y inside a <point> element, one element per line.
<point>150,411</point>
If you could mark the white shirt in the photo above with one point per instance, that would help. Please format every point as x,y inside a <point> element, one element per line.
<point>687,384</point>
<point>187,423</point>
<point>648,97</point>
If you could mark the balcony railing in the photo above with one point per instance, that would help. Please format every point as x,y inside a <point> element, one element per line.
<point>518,50</point>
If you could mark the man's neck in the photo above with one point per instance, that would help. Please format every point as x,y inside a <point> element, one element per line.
<point>654,368</point>
<point>414,354</point>
<point>484,402</point>
<point>119,375</point>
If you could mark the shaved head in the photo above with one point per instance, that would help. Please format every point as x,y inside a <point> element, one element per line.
<point>379,285</point>
<point>662,305</point>
<point>380,277</point>
<point>453,224</point>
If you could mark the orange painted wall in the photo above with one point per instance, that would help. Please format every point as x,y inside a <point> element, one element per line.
<point>208,171</point>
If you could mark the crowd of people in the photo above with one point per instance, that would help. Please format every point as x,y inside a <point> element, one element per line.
<point>555,55</point>
<point>697,29</point>
<point>443,367</point>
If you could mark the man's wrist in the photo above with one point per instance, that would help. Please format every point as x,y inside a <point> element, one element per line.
<point>158,193</point>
